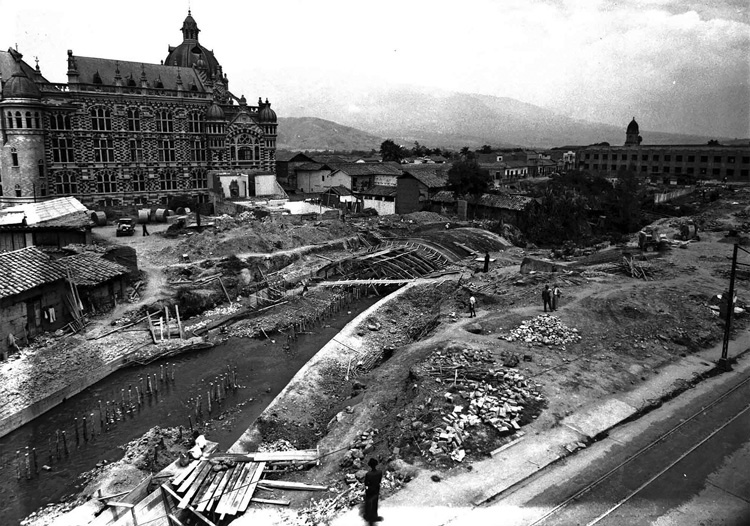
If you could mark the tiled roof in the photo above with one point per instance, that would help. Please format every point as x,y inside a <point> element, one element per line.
<point>293,157</point>
<point>89,269</point>
<point>26,268</point>
<point>8,67</point>
<point>89,66</point>
<point>387,168</point>
<point>339,190</point>
<point>430,175</point>
<point>503,201</point>
<point>45,211</point>
<point>517,164</point>
<point>379,191</point>
<point>312,166</point>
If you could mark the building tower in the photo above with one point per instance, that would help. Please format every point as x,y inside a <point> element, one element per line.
<point>632,137</point>
<point>22,160</point>
<point>268,122</point>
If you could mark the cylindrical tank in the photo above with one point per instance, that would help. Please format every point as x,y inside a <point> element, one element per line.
<point>144,216</point>
<point>99,218</point>
<point>160,216</point>
<point>180,211</point>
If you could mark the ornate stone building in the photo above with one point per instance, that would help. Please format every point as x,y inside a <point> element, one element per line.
<point>123,134</point>
<point>667,163</point>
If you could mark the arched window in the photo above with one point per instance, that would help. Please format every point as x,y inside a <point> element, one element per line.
<point>10,120</point>
<point>43,190</point>
<point>106,182</point>
<point>37,120</point>
<point>199,178</point>
<point>28,120</point>
<point>246,148</point>
<point>138,178</point>
<point>14,156</point>
<point>134,120</point>
<point>164,121</point>
<point>169,180</point>
<point>18,190</point>
<point>19,120</point>
<point>66,183</point>
<point>101,119</point>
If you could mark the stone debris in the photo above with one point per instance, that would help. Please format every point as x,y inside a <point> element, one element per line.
<point>544,329</point>
<point>277,445</point>
<point>491,396</point>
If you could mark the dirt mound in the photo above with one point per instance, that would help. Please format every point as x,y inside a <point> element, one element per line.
<point>422,218</point>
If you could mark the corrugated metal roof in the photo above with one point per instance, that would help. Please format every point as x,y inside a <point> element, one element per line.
<point>26,268</point>
<point>89,269</point>
<point>354,169</point>
<point>48,210</point>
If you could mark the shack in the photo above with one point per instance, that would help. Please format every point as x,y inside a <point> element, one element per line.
<point>32,296</point>
<point>509,208</point>
<point>51,224</point>
<point>100,282</point>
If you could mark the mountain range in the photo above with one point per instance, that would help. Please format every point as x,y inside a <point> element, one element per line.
<point>362,119</point>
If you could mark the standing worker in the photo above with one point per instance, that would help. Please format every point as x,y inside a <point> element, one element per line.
<point>555,297</point>
<point>145,230</point>
<point>546,297</point>
<point>372,492</point>
<point>472,307</point>
<point>486,262</point>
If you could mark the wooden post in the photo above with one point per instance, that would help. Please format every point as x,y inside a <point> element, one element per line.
<point>161,329</point>
<point>179,322</point>
<point>33,459</point>
<point>151,330</point>
<point>225,291</point>
<point>166,319</point>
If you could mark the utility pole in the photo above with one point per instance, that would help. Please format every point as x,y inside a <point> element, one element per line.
<point>724,360</point>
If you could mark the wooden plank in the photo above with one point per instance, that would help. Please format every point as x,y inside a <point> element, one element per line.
<point>226,497</point>
<point>226,484</point>
<point>206,498</point>
<point>193,488</point>
<point>197,513</point>
<point>120,504</point>
<point>271,456</point>
<point>232,504</point>
<point>174,520</point>
<point>251,488</point>
<point>183,475</point>
<point>199,495</point>
<point>271,501</point>
<point>284,484</point>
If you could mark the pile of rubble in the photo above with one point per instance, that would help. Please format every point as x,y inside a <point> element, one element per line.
<point>355,457</point>
<point>544,329</point>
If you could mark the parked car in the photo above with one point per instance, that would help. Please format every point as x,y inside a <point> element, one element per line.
<point>125,227</point>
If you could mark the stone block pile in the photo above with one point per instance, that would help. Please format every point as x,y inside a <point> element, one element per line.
<point>545,329</point>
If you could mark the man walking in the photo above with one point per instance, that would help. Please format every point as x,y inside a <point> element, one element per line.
<point>372,492</point>
<point>472,307</point>
<point>486,262</point>
<point>145,230</point>
<point>546,296</point>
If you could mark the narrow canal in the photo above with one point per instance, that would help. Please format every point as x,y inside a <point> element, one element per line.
<point>263,370</point>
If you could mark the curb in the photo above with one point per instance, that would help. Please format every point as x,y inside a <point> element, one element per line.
<point>604,433</point>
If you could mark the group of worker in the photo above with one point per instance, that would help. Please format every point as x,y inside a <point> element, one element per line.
<point>551,297</point>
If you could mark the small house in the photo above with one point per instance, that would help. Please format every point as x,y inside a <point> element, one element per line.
<point>100,283</point>
<point>33,289</point>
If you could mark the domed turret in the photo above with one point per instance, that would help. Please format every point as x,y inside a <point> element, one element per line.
<point>19,85</point>
<point>190,52</point>
<point>215,113</point>
<point>632,137</point>
<point>267,114</point>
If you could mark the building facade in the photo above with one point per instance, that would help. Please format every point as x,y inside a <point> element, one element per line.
<point>123,134</point>
<point>689,162</point>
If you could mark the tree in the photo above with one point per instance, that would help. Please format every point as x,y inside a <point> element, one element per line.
<point>485,149</point>
<point>391,151</point>
<point>466,153</point>
<point>467,177</point>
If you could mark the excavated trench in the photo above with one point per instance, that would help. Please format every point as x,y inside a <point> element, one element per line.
<point>263,369</point>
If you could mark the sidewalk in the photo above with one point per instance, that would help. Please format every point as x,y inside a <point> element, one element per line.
<point>429,503</point>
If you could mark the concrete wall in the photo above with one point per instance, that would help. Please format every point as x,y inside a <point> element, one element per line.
<point>265,184</point>
<point>384,208</point>
<point>313,181</point>
<point>385,180</point>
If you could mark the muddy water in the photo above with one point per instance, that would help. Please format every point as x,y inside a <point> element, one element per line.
<point>263,369</point>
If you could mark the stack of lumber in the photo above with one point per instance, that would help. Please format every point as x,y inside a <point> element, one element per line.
<point>225,484</point>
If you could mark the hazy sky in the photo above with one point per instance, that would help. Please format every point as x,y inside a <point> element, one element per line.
<point>679,65</point>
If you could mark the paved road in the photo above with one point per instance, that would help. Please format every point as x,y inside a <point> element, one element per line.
<point>686,463</point>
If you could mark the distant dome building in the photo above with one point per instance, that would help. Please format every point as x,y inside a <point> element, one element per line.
<point>124,134</point>
<point>632,135</point>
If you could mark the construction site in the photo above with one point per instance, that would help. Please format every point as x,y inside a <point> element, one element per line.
<point>369,350</point>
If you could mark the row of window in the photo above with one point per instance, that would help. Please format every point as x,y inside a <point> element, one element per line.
<point>731,159</point>
<point>66,182</point>
<point>244,149</point>
<point>677,170</point>
<point>17,120</point>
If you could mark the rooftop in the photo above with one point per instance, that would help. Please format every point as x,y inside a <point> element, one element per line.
<point>25,269</point>
<point>88,269</point>
<point>63,210</point>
